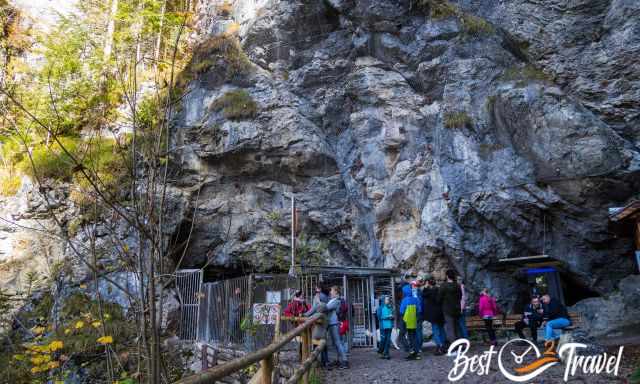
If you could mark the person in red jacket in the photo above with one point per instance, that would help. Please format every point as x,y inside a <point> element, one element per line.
<point>487,309</point>
<point>297,306</point>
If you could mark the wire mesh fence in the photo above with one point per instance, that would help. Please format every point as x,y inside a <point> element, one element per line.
<point>241,313</point>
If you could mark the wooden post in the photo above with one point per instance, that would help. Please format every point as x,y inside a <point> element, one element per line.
<point>306,350</point>
<point>266,368</point>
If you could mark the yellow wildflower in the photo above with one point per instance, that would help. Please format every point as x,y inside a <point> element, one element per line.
<point>104,340</point>
<point>67,331</point>
<point>55,345</point>
<point>83,286</point>
<point>79,324</point>
<point>38,330</point>
<point>35,369</point>
<point>96,324</point>
<point>53,365</point>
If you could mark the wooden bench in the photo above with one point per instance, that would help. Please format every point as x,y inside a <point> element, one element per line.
<point>507,323</point>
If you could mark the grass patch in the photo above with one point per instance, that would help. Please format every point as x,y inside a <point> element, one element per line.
<point>9,184</point>
<point>51,161</point>
<point>236,105</point>
<point>476,26</point>
<point>524,75</point>
<point>221,53</point>
<point>471,25</point>
<point>457,119</point>
<point>438,9</point>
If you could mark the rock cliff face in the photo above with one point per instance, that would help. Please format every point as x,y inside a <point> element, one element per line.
<point>419,135</point>
<point>414,134</point>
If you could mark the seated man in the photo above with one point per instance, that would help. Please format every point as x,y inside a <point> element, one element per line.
<point>531,318</point>
<point>555,317</point>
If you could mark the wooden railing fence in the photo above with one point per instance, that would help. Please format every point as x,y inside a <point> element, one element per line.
<point>265,357</point>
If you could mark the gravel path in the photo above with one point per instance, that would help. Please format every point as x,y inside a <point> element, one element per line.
<point>367,367</point>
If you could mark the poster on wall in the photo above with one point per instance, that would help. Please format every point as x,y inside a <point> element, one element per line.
<point>265,313</point>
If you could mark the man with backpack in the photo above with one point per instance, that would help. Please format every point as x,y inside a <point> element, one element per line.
<point>410,312</point>
<point>334,307</point>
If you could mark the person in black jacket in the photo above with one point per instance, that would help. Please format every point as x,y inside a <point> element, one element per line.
<point>531,318</point>
<point>555,316</point>
<point>432,312</point>
<point>450,294</point>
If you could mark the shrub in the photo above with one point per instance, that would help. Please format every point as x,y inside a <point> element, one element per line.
<point>236,105</point>
<point>51,161</point>
<point>9,184</point>
<point>456,119</point>
<point>223,51</point>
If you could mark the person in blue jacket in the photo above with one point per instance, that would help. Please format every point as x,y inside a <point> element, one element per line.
<point>411,311</point>
<point>385,317</point>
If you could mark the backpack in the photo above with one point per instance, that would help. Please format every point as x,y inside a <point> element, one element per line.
<point>343,310</point>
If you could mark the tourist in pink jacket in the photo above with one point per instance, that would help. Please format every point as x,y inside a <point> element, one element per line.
<point>487,309</point>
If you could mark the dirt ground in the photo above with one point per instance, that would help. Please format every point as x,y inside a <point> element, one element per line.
<point>368,367</point>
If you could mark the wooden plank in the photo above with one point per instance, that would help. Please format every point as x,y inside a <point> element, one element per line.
<point>220,371</point>
<point>307,364</point>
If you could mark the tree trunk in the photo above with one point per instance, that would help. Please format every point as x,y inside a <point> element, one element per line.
<point>111,28</point>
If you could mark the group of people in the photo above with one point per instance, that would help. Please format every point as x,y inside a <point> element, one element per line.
<point>327,301</point>
<point>546,312</point>
<point>444,306</point>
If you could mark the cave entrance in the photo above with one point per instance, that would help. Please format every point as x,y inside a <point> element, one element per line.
<point>241,311</point>
<point>542,274</point>
<point>574,290</point>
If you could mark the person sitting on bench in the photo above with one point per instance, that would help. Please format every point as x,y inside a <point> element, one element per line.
<point>531,318</point>
<point>555,317</point>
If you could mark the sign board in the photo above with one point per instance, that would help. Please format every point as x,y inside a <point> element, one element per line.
<point>264,313</point>
<point>274,297</point>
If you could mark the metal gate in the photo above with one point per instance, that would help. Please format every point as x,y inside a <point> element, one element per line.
<point>360,299</point>
<point>224,306</point>
<point>188,283</point>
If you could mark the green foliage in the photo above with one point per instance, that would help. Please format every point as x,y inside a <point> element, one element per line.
<point>51,161</point>
<point>222,54</point>
<point>457,119</point>
<point>635,377</point>
<point>11,151</point>
<point>476,26</point>
<point>524,75</point>
<point>471,25</point>
<point>9,184</point>
<point>236,105</point>
<point>438,9</point>
<point>274,216</point>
